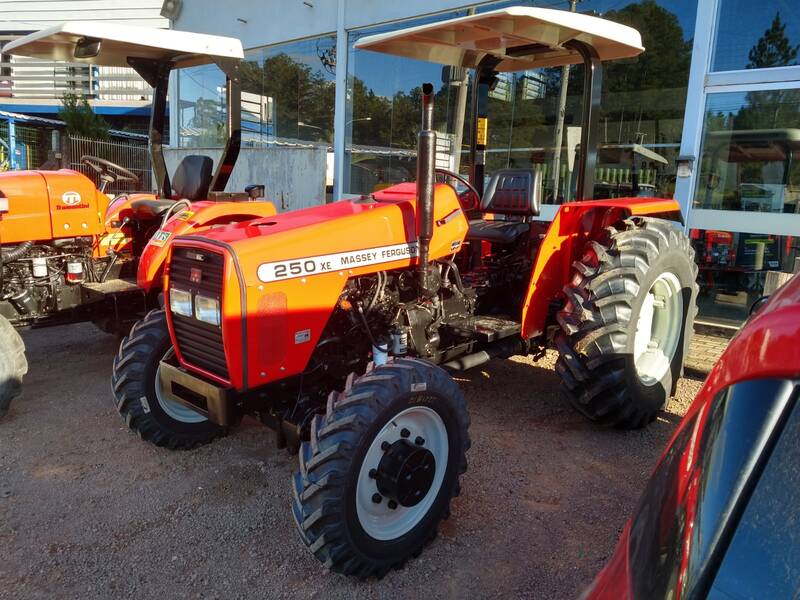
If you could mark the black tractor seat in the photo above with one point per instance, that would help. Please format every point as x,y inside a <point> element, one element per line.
<point>514,194</point>
<point>497,232</point>
<point>151,209</point>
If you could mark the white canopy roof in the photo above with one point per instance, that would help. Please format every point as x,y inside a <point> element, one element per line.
<point>119,42</point>
<point>466,40</point>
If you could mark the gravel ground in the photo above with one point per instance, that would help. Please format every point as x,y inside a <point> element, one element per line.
<point>87,510</point>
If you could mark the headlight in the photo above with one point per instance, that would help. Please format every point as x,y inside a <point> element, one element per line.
<point>180,302</point>
<point>206,310</point>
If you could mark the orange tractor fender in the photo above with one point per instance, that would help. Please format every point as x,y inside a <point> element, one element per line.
<point>573,225</point>
<point>201,216</point>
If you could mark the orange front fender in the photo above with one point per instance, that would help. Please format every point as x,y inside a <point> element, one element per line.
<point>572,226</point>
<point>202,216</point>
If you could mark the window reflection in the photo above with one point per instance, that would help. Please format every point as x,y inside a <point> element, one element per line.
<point>641,117</point>
<point>201,107</point>
<point>288,95</point>
<point>733,267</point>
<point>751,147</point>
<point>756,35</point>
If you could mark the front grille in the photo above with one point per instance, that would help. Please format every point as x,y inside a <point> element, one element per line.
<point>200,344</point>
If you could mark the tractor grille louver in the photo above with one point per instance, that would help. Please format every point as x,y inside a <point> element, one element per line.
<point>200,344</point>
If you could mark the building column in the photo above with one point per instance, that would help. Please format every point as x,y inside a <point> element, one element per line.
<point>340,105</point>
<point>694,115</point>
<point>12,145</point>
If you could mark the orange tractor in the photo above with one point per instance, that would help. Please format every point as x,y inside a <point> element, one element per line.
<point>68,253</point>
<point>339,325</point>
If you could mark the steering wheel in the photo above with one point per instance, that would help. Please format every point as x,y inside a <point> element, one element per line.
<point>475,197</point>
<point>108,168</point>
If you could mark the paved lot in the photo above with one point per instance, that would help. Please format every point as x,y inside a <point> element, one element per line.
<point>87,510</point>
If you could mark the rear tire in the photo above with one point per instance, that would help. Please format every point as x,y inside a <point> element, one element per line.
<point>347,514</point>
<point>13,365</point>
<point>134,382</point>
<point>627,322</point>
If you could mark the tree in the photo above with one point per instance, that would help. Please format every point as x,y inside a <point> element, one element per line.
<point>301,95</point>
<point>771,109</point>
<point>80,119</point>
<point>774,48</point>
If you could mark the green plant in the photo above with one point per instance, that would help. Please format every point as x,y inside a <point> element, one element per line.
<point>80,119</point>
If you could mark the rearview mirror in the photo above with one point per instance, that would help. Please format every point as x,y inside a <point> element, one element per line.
<point>87,48</point>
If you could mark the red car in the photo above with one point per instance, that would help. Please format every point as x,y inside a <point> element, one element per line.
<point>720,516</point>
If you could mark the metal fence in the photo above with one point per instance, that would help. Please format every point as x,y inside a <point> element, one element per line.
<point>131,155</point>
<point>31,144</point>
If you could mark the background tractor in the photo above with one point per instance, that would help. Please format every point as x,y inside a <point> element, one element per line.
<point>338,325</point>
<point>67,252</point>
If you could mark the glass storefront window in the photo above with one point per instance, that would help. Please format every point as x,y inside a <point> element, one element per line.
<point>733,268</point>
<point>288,94</point>
<point>756,35</point>
<point>641,118</point>
<point>751,147</point>
<point>294,84</point>
<point>384,112</point>
<point>201,107</point>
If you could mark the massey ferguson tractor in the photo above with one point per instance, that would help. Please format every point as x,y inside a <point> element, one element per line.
<point>339,325</point>
<point>67,252</point>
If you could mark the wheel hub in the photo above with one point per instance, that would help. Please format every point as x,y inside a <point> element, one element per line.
<point>405,473</point>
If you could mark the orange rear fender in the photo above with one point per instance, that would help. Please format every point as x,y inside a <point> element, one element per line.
<point>563,244</point>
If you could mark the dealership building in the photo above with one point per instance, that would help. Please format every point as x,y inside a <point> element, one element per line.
<point>709,114</point>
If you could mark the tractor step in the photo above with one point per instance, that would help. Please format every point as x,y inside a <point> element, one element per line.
<point>485,328</point>
<point>93,291</point>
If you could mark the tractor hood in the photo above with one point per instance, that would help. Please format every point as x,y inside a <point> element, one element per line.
<point>284,274</point>
<point>45,205</point>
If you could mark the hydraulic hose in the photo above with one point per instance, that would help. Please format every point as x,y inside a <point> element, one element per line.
<point>15,254</point>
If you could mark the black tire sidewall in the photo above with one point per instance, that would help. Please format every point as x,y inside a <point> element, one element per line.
<point>148,390</point>
<point>13,364</point>
<point>412,540</point>
<point>674,261</point>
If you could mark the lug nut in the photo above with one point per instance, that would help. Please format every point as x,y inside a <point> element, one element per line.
<point>373,473</point>
<point>420,441</point>
<point>385,446</point>
<point>404,432</point>
<point>392,504</point>
<point>376,498</point>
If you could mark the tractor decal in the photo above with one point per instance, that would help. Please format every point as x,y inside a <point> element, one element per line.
<point>290,269</point>
<point>160,238</point>
<point>71,198</point>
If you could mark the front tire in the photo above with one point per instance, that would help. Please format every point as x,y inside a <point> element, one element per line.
<point>628,322</point>
<point>381,467</point>
<point>137,395</point>
<point>13,365</point>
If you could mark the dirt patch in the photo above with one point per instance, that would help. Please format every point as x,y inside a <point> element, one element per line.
<point>88,510</point>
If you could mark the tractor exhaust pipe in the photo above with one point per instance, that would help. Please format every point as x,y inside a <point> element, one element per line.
<point>426,165</point>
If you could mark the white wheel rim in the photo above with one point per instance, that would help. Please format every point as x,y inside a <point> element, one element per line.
<point>658,329</point>
<point>173,408</point>
<point>377,519</point>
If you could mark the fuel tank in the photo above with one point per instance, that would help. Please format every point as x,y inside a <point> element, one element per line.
<point>283,274</point>
<point>46,205</point>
